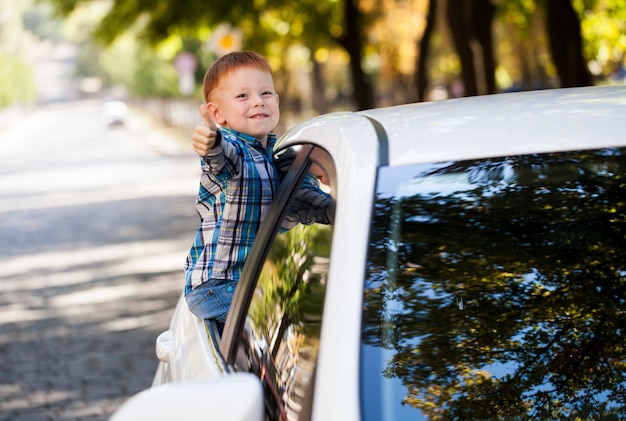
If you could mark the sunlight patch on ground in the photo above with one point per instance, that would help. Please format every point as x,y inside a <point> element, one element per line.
<point>69,187</point>
<point>8,392</point>
<point>128,323</point>
<point>88,283</point>
<point>73,267</point>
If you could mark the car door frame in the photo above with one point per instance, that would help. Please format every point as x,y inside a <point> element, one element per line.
<point>268,229</point>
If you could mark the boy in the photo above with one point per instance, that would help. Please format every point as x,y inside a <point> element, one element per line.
<point>238,180</point>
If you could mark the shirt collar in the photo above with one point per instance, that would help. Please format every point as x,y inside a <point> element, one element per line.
<point>271,138</point>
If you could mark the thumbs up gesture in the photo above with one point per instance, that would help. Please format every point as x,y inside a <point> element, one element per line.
<point>205,134</point>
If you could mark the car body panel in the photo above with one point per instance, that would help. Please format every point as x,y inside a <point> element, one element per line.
<point>191,356</point>
<point>219,398</point>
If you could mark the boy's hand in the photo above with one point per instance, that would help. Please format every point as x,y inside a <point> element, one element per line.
<point>205,134</point>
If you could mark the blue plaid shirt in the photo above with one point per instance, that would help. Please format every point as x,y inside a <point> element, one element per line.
<point>237,185</point>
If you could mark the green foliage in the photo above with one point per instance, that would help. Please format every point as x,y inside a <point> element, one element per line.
<point>264,22</point>
<point>136,66</point>
<point>272,27</point>
<point>37,20</point>
<point>603,27</point>
<point>153,76</point>
<point>88,63</point>
<point>140,70</point>
<point>519,14</point>
<point>18,84</point>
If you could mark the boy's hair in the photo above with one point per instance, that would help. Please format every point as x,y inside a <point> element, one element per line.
<point>229,63</point>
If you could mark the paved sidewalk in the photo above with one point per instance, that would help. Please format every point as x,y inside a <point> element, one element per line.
<point>95,223</point>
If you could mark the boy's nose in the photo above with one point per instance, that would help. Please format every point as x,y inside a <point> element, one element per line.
<point>258,101</point>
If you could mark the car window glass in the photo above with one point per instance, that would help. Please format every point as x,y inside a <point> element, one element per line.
<point>496,290</point>
<point>281,332</point>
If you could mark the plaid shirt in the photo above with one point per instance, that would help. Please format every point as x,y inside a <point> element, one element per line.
<point>237,186</point>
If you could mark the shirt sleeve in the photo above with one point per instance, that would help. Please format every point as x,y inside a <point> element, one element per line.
<point>223,157</point>
<point>311,205</point>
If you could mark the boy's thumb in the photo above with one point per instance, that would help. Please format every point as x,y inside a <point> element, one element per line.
<point>206,117</point>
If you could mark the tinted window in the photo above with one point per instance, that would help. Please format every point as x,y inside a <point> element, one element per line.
<point>496,290</point>
<point>280,338</point>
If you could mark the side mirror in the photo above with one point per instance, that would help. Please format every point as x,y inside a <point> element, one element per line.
<point>236,397</point>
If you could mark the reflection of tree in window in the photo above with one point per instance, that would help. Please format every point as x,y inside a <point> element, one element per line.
<point>286,310</point>
<point>535,248</point>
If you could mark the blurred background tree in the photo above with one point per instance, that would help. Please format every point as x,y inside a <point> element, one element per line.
<point>18,84</point>
<point>354,54</point>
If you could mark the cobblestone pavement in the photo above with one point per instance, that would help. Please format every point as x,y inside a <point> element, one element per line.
<point>95,223</point>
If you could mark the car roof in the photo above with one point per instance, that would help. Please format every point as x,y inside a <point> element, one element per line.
<point>504,124</point>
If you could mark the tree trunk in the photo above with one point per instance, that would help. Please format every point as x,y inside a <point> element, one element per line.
<point>457,12</point>
<point>470,23</point>
<point>566,43</point>
<point>363,92</point>
<point>421,76</point>
<point>319,98</point>
<point>482,13</point>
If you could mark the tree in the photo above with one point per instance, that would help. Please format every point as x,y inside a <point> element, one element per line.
<point>577,32</point>
<point>603,25</point>
<point>421,77</point>
<point>475,28</point>
<point>18,82</point>
<point>264,23</point>
<point>470,24</point>
<point>566,43</point>
<point>352,42</point>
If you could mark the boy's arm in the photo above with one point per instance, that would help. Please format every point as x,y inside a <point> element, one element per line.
<point>311,205</point>
<point>206,137</point>
<point>208,143</point>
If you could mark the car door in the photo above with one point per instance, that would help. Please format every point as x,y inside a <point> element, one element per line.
<point>274,326</point>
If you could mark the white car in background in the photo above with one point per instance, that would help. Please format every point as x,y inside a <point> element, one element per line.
<point>114,112</point>
<point>475,269</point>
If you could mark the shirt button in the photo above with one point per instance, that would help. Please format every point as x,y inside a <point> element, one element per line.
<point>230,289</point>
<point>211,292</point>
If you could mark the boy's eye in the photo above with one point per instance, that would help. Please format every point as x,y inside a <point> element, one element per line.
<point>241,96</point>
<point>268,93</point>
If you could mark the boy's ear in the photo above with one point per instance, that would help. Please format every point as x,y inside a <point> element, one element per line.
<point>215,113</point>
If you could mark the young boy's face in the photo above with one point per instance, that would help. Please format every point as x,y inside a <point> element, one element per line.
<point>245,101</point>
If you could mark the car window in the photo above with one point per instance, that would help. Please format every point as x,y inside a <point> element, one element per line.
<point>496,289</point>
<point>280,336</point>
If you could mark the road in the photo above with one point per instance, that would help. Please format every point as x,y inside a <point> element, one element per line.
<point>95,223</point>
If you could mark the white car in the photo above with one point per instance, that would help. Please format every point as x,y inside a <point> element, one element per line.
<point>114,112</point>
<point>475,269</point>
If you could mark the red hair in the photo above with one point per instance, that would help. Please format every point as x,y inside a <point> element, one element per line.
<point>228,64</point>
